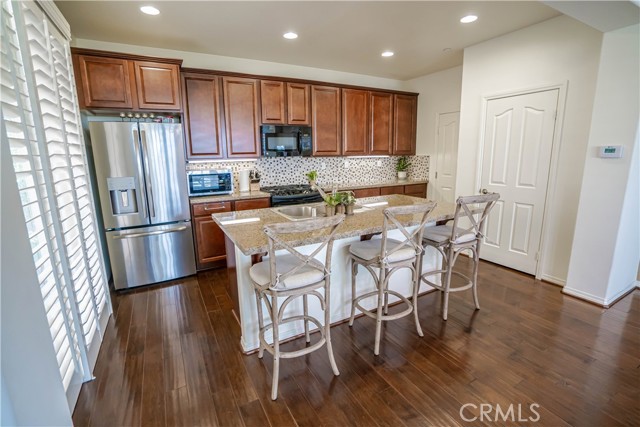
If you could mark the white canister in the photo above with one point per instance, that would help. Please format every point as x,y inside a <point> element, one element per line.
<point>244,181</point>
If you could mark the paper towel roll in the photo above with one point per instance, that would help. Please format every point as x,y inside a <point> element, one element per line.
<point>244,181</point>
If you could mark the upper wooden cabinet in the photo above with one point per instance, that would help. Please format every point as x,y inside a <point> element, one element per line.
<point>104,82</point>
<point>125,82</point>
<point>355,121</point>
<point>284,103</point>
<point>404,117</point>
<point>272,102</point>
<point>202,116</point>
<point>325,113</point>
<point>241,116</point>
<point>381,119</point>
<point>158,85</point>
<point>298,104</point>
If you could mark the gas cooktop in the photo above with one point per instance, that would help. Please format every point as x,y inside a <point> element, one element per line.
<point>292,194</point>
<point>288,190</point>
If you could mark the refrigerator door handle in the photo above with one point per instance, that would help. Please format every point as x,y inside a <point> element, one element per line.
<point>152,205</point>
<point>149,233</point>
<point>136,150</point>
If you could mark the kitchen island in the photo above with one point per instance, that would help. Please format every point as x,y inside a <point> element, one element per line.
<point>246,243</point>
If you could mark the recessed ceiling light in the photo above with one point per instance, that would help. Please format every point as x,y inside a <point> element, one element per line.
<point>468,19</point>
<point>150,10</point>
<point>290,35</point>
<point>387,53</point>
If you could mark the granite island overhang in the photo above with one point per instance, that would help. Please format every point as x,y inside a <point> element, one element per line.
<point>246,244</point>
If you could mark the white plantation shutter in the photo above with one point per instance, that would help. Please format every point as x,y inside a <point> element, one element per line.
<point>41,124</point>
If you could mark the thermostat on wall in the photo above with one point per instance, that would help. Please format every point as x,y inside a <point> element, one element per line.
<point>610,151</point>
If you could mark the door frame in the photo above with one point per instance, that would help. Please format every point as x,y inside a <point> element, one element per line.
<point>553,162</point>
<point>435,138</point>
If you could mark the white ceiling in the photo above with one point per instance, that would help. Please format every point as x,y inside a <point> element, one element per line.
<point>343,36</point>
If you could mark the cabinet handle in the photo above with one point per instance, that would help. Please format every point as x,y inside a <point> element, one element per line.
<point>217,208</point>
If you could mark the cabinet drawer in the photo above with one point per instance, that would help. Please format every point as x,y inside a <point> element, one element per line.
<point>394,189</point>
<point>366,192</point>
<point>205,209</point>
<point>417,190</point>
<point>245,205</point>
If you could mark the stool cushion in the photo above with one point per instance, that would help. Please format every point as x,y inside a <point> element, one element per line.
<point>442,233</point>
<point>305,276</point>
<point>370,249</point>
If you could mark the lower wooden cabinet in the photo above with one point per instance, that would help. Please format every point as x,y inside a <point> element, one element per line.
<point>395,189</point>
<point>208,237</point>
<point>366,192</point>
<point>416,190</point>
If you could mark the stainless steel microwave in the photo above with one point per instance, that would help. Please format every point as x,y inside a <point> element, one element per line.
<point>210,182</point>
<point>285,141</point>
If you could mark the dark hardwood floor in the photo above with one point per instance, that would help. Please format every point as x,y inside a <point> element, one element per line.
<point>171,357</point>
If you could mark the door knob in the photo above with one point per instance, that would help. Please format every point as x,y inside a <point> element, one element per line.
<point>484,191</point>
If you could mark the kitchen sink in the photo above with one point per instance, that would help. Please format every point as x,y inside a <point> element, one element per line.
<point>300,212</point>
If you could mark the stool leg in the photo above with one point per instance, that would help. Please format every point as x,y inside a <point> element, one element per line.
<point>260,323</point>
<point>354,272</point>
<point>476,263</point>
<point>447,284</point>
<point>276,348</point>
<point>382,286</point>
<point>327,329</point>
<point>415,272</point>
<point>306,314</point>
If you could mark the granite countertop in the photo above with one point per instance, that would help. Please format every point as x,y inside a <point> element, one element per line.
<point>250,238</point>
<point>236,195</point>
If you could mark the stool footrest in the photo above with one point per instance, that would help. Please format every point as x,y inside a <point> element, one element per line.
<point>468,285</point>
<point>373,314</point>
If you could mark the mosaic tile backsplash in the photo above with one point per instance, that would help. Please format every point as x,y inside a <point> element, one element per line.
<point>331,170</point>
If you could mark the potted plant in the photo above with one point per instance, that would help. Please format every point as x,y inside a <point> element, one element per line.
<point>312,176</point>
<point>330,203</point>
<point>349,201</point>
<point>402,166</point>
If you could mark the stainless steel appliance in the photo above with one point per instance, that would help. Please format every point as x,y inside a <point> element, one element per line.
<point>285,141</point>
<point>140,171</point>
<point>282,195</point>
<point>210,182</point>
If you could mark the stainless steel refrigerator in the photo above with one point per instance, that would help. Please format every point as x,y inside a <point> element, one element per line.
<point>140,171</point>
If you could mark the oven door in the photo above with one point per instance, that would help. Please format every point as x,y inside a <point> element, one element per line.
<point>207,183</point>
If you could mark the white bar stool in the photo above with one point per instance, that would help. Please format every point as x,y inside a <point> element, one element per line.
<point>388,256</point>
<point>450,241</point>
<point>291,276</point>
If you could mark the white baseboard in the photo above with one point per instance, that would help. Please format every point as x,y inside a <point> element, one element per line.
<point>554,280</point>
<point>604,302</point>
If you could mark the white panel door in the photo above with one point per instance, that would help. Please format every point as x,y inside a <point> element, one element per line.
<point>446,157</point>
<point>518,138</point>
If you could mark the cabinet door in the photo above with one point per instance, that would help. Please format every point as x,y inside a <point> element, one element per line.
<point>325,113</point>
<point>241,116</point>
<point>272,102</point>
<point>245,205</point>
<point>157,85</point>
<point>201,94</point>
<point>404,119</point>
<point>416,190</point>
<point>104,82</point>
<point>381,118</point>
<point>298,105</point>
<point>355,123</point>
<point>209,238</point>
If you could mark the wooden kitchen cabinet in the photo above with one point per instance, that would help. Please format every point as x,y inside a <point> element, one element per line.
<point>272,102</point>
<point>355,122</point>
<point>395,189</point>
<point>158,85</point>
<point>325,114</point>
<point>103,82</point>
<point>126,82</point>
<point>381,119</point>
<point>241,116</point>
<point>202,116</point>
<point>248,204</point>
<point>404,118</point>
<point>416,190</point>
<point>208,237</point>
<point>366,192</point>
<point>298,104</point>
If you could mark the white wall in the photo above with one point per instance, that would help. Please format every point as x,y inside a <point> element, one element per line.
<point>606,247</point>
<point>558,51</point>
<point>439,93</point>
<point>30,374</point>
<point>241,65</point>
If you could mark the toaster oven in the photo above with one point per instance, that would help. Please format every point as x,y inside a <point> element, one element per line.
<point>210,182</point>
